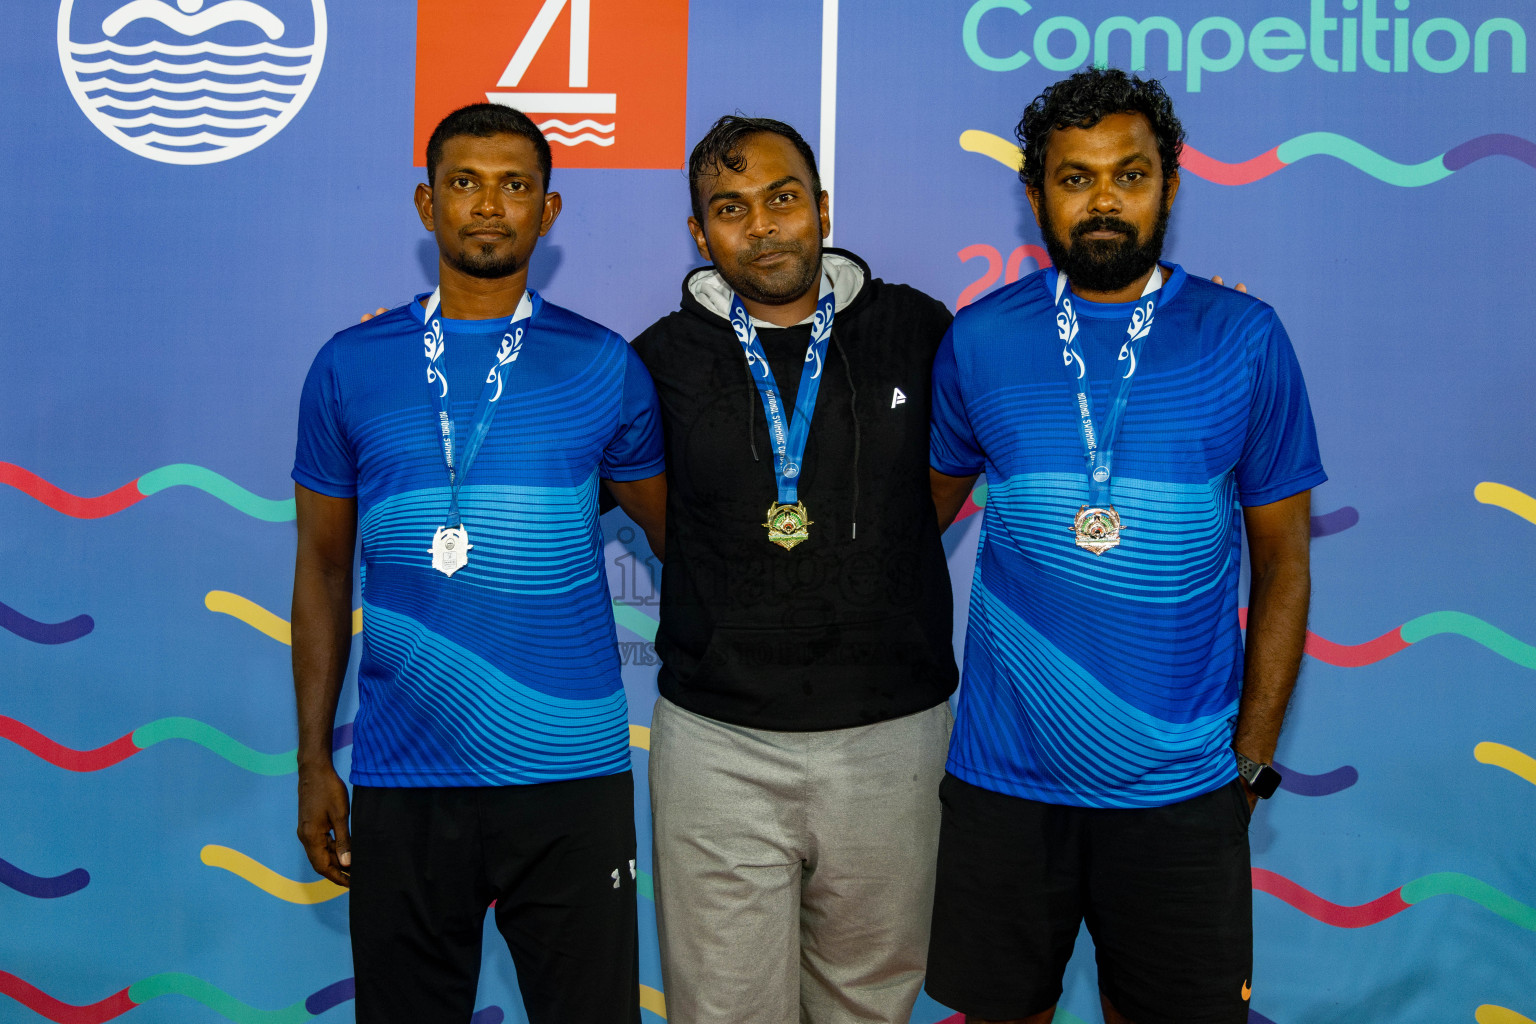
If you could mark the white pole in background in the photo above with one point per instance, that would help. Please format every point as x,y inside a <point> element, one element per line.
<point>828,153</point>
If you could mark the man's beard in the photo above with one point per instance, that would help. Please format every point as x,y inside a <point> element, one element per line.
<point>775,287</point>
<point>480,259</point>
<point>1108,264</point>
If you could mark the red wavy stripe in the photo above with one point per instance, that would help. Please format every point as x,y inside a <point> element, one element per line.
<point>55,753</point>
<point>38,1001</point>
<point>970,508</point>
<point>1315,906</point>
<point>1247,172</point>
<point>70,504</point>
<point>1347,655</point>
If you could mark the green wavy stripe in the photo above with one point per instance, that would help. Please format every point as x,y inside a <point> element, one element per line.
<point>1473,628</point>
<point>1063,1017</point>
<point>634,620</point>
<point>220,1002</point>
<point>979,499</point>
<point>184,474</point>
<point>205,735</point>
<point>1369,161</point>
<point>646,885</point>
<point>1453,883</point>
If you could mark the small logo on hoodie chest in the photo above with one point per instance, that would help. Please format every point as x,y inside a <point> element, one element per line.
<point>898,397</point>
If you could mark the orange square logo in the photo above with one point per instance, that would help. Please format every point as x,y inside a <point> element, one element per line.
<point>606,81</point>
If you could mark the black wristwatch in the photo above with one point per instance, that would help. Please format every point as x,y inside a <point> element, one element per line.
<point>1261,778</point>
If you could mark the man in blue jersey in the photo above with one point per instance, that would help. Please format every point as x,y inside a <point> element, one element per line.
<point>1113,733</point>
<point>463,436</point>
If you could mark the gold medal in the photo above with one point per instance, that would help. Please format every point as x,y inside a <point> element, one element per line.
<point>788,524</point>
<point>1097,529</point>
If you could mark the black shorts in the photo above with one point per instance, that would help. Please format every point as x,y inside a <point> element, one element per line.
<point>556,857</point>
<point>1167,893</point>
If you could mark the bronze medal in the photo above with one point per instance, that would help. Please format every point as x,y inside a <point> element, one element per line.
<point>1097,529</point>
<point>787,524</point>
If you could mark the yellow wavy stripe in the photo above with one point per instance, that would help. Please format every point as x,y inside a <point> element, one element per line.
<point>267,880</point>
<point>1506,497</point>
<point>261,620</point>
<point>1500,756</point>
<point>994,146</point>
<point>1490,1014</point>
<point>640,736</point>
<point>652,1000</point>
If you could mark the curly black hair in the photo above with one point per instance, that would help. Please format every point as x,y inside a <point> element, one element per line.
<point>1084,100</point>
<point>721,147</point>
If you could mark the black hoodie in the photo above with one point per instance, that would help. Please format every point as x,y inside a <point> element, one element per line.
<point>853,625</point>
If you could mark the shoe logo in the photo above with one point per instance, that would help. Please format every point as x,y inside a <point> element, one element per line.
<point>1247,991</point>
<point>615,877</point>
<point>897,397</point>
<point>222,78</point>
<point>631,869</point>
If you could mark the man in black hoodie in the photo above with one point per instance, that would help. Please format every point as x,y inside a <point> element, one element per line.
<point>806,615</point>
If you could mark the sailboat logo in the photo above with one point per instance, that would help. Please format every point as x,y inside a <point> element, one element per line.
<point>193,83</point>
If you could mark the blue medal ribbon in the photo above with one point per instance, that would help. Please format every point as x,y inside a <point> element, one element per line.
<point>437,381</point>
<point>1099,443</point>
<point>788,437</point>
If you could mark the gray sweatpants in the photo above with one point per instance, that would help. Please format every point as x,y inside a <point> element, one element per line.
<point>794,870</point>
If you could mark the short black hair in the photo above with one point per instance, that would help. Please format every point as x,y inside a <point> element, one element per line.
<point>1084,100</point>
<point>483,120</point>
<point>721,147</point>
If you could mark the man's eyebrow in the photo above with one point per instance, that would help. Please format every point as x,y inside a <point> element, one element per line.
<point>1078,165</point>
<point>772,186</point>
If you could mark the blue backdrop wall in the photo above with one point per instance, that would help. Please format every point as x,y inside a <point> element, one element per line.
<point>200,201</point>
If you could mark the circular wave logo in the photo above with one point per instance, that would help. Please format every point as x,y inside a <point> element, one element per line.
<point>193,83</point>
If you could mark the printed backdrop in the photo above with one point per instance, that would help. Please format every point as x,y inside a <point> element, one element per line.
<point>206,190</point>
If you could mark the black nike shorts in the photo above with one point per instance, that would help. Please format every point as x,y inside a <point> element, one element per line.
<point>1167,894</point>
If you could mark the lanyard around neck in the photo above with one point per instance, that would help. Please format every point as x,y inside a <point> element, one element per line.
<point>490,394</point>
<point>788,436</point>
<point>1099,443</point>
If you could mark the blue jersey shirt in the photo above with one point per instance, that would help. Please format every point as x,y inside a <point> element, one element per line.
<point>507,672</point>
<point>1112,681</point>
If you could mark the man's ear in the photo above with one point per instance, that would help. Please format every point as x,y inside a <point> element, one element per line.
<point>1035,201</point>
<point>699,240</point>
<point>1173,189</point>
<point>824,210</point>
<point>552,208</point>
<point>424,207</point>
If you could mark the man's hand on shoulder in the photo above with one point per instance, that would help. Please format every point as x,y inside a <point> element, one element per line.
<point>1215,279</point>
<point>323,808</point>
<point>381,309</point>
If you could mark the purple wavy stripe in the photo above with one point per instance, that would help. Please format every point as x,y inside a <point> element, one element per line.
<point>1255,1017</point>
<point>342,737</point>
<point>489,1015</point>
<point>45,632</point>
<point>331,995</point>
<point>43,888</point>
<point>1325,784</point>
<point>1337,521</point>
<point>1523,150</point>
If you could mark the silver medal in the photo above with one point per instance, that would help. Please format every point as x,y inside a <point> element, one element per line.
<point>450,549</point>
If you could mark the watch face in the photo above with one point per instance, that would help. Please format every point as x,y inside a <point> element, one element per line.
<point>1265,781</point>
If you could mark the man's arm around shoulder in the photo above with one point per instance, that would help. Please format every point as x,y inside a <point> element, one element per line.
<point>1280,588</point>
<point>322,640</point>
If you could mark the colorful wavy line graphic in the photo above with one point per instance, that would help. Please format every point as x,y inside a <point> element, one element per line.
<point>1490,1014</point>
<point>1442,883</point>
<point>268,881</point>
<point>1500,756</point>
<point>1340,147</point>
<point>180,474</point>
<point>201,733</point>
<point>634,620</point>
<point>1411,632</point>
<point>45,632</point>
<point>1506,497</point>
<point>42,888</point>
<point>193,987</point>
<point>259,619</point>
<point>1326,784</point>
